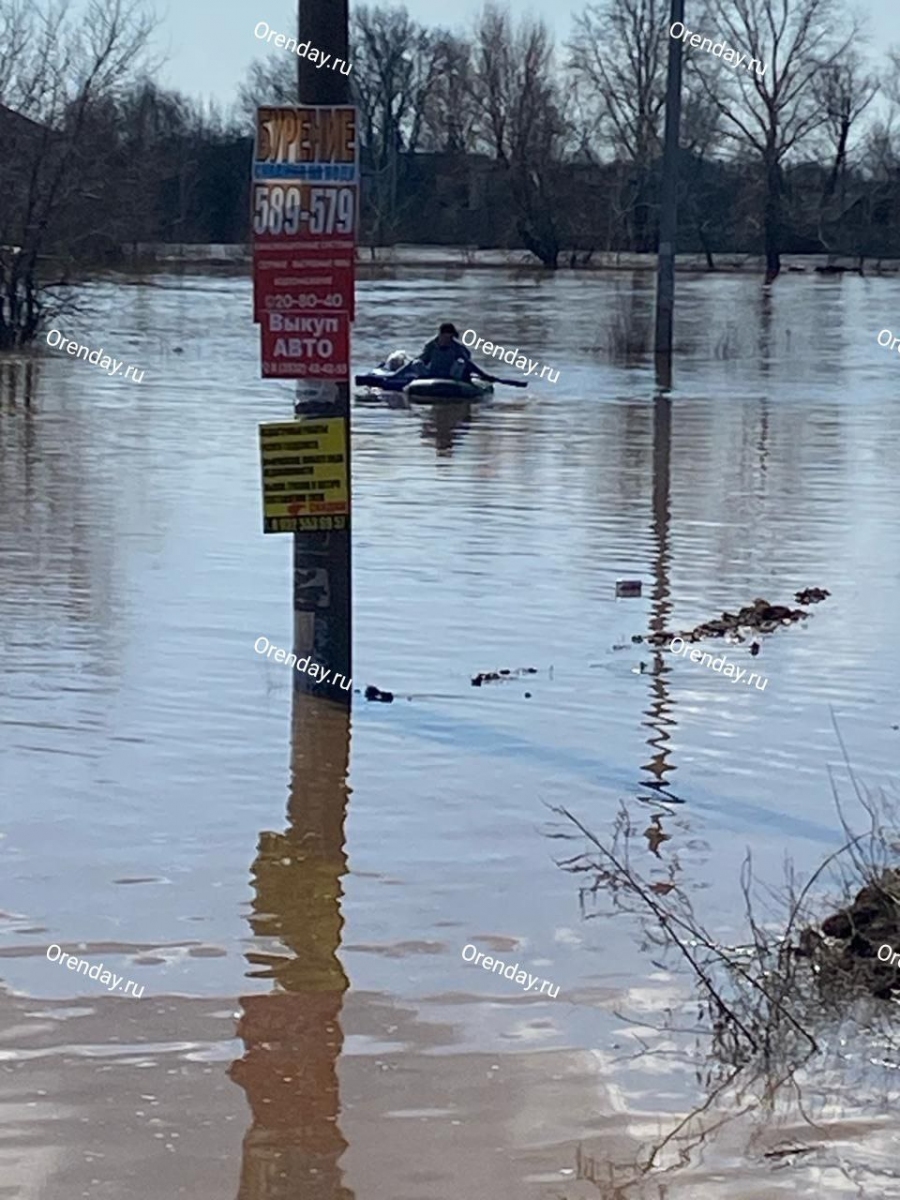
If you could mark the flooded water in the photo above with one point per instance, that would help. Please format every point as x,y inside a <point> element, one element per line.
<point>292,886</point>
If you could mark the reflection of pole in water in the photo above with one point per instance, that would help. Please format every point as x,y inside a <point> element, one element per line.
<point>293,1037</point>
<point>660,702</point>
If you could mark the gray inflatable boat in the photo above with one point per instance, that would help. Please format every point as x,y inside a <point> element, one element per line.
<point>431,391</point>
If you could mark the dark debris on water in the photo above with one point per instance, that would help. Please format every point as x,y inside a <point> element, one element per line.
<point>758,617</point>
<point>506,673</point>
<point>811,595</point>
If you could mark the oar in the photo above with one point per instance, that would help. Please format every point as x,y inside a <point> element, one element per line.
<point>497,379</point>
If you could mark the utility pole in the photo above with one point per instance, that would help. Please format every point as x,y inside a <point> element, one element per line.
<point>668,222</point>
<point>322,583</point>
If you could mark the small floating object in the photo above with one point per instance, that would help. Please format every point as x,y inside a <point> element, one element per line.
<point>504,673</point>
<point>628,587</point>
<point>812,595</point>
<point>374,693</point>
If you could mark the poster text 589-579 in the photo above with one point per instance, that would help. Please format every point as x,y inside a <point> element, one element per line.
<point>282,210</point>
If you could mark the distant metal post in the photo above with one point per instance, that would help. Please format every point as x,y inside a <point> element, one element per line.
<point>668,225</point>
<point>322,592</point>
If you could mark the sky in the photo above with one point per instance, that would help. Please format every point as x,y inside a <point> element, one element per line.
<point>209,44</point>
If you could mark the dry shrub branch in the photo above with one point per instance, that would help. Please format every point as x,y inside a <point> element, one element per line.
<point>779,998</point>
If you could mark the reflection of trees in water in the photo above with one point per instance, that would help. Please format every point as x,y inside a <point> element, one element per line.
<point>61,514</point>
<point>17,381</point>
<point>293,1037</point>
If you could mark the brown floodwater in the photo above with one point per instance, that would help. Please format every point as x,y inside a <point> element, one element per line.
<point>293,886</point>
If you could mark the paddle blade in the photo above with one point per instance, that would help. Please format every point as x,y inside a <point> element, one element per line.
<point>510,382</point>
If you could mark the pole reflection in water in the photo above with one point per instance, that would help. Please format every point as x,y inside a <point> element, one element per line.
<point>658,716</point>
<point>293,1037</point>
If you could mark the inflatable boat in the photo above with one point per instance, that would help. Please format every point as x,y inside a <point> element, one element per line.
<point>427,391</point>
<point>387,377</point>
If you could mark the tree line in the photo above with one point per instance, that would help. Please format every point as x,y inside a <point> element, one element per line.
<point>493,137</point>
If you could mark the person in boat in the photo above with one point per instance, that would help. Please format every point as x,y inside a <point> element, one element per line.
<point>445,357</point>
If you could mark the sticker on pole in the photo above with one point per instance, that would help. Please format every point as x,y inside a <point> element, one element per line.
<point>304,475</point>
<point>303,346</point>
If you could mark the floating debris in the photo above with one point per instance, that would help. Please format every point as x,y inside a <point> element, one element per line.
<point>374,693</point>
<point>811,595</point>
<point>758,617</point>
<point>628,587</point>
<point>754,648</point>
<point>494,676</point>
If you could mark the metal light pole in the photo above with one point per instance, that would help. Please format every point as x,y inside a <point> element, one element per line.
<point>668,225</point>
<point>322,584</point>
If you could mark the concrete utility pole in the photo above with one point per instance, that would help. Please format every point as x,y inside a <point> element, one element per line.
<point>322,591</point>
<point>668,224</point>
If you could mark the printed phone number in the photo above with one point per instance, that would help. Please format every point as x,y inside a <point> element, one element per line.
<point>280,208</point>
<point>300,368</point>
<point>279,303</point>
<point>288,524</point>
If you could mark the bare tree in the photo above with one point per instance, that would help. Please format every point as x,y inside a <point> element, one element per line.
<point>395,68</point>
<point>773,109</point>
<point>617,58</point>
<point>269,81</point>
<point>521,121</point>
<point>843,91</point>
<point>451,114</point>
<point>58,78</point>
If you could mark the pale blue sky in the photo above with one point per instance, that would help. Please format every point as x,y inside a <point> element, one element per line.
<point>210,43</point>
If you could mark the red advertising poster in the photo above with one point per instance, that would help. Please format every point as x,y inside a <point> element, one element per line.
<point>305,212</point>
<point>306,346</point>
<point>288,277</point>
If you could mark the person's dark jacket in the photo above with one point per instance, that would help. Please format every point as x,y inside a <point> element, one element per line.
<point>440,359</point>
